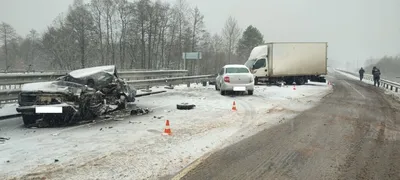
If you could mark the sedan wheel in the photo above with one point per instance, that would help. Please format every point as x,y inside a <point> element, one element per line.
<point>222,91</point>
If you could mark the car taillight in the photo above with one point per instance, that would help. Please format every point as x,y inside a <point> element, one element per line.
<point>226,79</point>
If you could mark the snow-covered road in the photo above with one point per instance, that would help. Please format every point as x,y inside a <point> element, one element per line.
<point>133,147</point>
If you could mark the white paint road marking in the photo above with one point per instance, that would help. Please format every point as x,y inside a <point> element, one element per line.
<point>354,89</point>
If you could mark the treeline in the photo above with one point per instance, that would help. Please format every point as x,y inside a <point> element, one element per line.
<point>132,35</point>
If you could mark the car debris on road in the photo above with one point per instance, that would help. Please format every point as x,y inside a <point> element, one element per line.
<point>83,94</point>
<point>3,140</point>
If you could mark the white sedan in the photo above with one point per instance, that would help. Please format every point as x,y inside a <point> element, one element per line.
<point>235,77</point>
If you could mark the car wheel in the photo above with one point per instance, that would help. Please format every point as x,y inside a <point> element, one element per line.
<point>29,119</point>
<point>250,92</point>
<point>222,92</point>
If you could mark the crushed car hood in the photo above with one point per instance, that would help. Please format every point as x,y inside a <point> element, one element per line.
<point>80,73</point>
<point>53,87</point>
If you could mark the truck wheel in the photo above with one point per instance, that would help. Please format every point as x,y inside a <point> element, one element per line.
<point>29,119</point>
<point>255,81</point>
<point>250,92</point>
<point>300,81</point>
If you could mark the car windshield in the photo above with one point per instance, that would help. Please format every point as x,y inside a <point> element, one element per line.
<point>237,70</point>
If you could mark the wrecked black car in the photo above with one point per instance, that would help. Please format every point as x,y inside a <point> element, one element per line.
<point>82,94</point>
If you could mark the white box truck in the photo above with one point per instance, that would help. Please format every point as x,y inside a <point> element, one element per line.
<point>289,62</point>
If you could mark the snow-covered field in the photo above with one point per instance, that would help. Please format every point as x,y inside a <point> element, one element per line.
<point>133,147</point>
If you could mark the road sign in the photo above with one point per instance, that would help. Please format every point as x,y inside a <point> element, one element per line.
<point>191,55</point>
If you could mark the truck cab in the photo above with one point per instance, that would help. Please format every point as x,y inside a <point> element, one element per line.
<point>258,63</point>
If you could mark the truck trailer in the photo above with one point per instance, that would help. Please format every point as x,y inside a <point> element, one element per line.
<point>289,62</point>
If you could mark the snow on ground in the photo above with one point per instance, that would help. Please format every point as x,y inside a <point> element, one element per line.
<point>132,147</point>
<point>8,109</point>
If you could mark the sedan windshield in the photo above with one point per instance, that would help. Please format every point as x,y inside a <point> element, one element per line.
<point>237,70</point>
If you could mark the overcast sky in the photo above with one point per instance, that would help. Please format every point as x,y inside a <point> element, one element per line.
<point>354,29</point>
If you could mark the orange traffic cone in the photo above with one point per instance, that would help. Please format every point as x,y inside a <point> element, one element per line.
<point>167,130</point>
<point>234,106</point>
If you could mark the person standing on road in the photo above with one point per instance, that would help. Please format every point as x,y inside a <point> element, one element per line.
<point>376,73</point>
<point>361,71</point>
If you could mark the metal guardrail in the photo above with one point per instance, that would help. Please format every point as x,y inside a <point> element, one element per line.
<point>171,81</point>
<point>63,71</point>
<point>11,95</point>
<point>14,81</point>
<point>390,85</point>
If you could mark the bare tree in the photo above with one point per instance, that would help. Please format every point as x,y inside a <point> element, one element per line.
<point>124,14</point>
<point>7,33</point>
<point>81,23</point>
<point>135,34</point>
<point>197,31</point>
<point>97,13</point>
<point>231,34</point>
<point>181,10</point>
<point>143,7</point>
<point>109,11</point>
<point>164,25</point>
<point>33,41</point>
<point>198,27</point>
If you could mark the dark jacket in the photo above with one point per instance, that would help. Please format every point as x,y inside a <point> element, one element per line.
<point>376,72</point>
<point>361,71</point>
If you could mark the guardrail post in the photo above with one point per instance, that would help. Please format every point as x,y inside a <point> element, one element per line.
<point>397,89</point>
<point>147,89</point>
<point>391,88</point>
<point>188,84</point>
<point>204,83</point>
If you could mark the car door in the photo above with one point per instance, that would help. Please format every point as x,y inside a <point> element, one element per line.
<point>219,78</point>
<point>260,67</point>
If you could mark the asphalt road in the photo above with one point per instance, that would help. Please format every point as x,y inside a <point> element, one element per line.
<point>352,134</point>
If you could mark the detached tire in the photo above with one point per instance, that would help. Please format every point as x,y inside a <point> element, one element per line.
<point>29,119</point>
<point>185,106</point>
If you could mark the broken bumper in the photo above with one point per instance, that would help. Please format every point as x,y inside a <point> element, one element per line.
<point>47,109</point>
